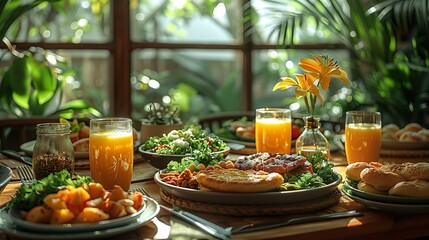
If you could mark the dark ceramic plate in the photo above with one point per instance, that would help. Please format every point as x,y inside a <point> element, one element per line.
<point>5,176</point>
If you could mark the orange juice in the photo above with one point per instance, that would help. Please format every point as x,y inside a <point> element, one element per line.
<point>111,158</point>
<point>363,142</point>
<point>273,135</point>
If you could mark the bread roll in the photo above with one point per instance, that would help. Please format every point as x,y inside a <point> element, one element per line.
<point>416,188</point>
<point>409,136</point>
<point>81,145</point>
<point>413,127</point>
<point>353,170</point>
<point>388,132</point>
<point>424,134</point>
<point>381,180</point>
<point>409,171</point>
<point>363,186</point>
<point>391,128</point>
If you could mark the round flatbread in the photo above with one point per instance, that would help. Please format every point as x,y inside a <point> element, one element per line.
<point>235,180</point>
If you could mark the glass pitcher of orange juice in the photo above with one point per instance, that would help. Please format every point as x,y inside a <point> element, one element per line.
<point>111,152</point>
<point>363,136</point>
<point>273,130</point>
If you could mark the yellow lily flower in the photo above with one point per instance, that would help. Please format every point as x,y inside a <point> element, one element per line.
<point>318,73</point>
<point>323,68</point>
<point>304,85</point>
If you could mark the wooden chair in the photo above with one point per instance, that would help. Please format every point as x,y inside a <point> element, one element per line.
<point>16,131</point>
<point>214,121</point>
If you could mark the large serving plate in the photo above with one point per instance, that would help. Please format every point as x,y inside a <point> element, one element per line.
<point>278,197</point>
<point>16,217</point>
<point>388,207</point>
<point>384,198</point>
<point>27,148</point>
<point>405,145</point>
<point>8,225</point>
<point>5,176</point>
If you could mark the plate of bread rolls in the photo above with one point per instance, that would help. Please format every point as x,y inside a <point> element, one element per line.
<point>411,136</point>
<point>397,184</point>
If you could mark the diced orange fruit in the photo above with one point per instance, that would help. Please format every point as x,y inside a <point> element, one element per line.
<point>118,193</point>
<point>54,201</point>
<point>137,197</point>
<point>61,216</point>
<point>39,214</point>
<point>96,190</point>
<point>92,215</point>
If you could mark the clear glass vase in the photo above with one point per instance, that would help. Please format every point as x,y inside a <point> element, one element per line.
<point>312,140</point>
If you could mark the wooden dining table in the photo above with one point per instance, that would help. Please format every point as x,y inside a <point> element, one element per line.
<point>373,224</point>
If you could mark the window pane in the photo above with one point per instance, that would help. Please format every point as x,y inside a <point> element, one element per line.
<point>93,77</point>
<point>271,65</point>
<point>200,81</point>
<point>186,21</point>
<point>269,14</point>
<point>65,21</point>
<point>88,73</point>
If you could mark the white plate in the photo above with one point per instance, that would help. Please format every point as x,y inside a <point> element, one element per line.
<point>28,149</point>
<point>388,207</point>
<point>7,225</point>
<point>385,198</point>
<point>15,215</point>
<point>247,198</point>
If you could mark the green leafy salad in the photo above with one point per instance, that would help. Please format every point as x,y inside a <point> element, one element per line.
<point>29,196</point>
<point>185,141</point>
<point>323,174</point>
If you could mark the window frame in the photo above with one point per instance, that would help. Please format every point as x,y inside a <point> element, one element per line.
<point>121,48</point>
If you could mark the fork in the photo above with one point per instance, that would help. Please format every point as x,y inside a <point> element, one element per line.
<point>25,174</point>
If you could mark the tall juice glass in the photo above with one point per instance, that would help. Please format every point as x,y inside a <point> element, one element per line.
<point>111,152</point>
<point>273,130</point>
<point>363,136</point>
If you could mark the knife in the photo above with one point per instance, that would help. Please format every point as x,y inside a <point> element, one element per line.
<point>289,221</point>
<point>17,156</point>
<point>207,226</point>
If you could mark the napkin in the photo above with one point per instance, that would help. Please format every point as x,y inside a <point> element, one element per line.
<point>182,230</point>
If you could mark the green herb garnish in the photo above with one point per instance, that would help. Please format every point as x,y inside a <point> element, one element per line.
<point>29,196</point>
<point>323,174</point>
<point>208,159</point>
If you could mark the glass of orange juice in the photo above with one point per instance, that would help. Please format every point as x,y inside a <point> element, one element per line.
<point>363,136</point>
<point>111,152</point>
<point>273,130</point>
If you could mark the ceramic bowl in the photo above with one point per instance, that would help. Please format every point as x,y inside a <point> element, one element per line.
<point>161,161</point>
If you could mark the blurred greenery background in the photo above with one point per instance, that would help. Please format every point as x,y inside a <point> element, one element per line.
<point>383,45</point>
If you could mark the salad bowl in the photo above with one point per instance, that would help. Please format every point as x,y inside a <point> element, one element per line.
<point>161,161</point>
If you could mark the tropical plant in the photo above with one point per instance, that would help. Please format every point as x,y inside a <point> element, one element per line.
<point>376,33</point>
<point>34,82</point>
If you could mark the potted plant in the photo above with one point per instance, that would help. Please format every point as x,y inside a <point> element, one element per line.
<point>160,119</point>
<point>34,83</point>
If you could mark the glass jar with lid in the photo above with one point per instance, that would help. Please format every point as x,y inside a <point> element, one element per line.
<point>53,150</point>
